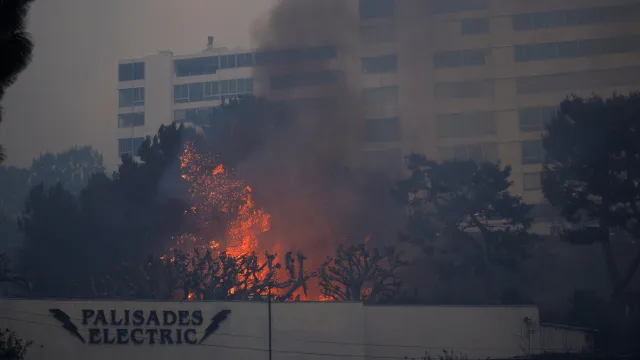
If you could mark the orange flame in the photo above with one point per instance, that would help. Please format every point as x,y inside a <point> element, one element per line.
<point>216,191</point>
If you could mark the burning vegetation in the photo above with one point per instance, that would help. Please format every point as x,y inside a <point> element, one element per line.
<point>226,259</point>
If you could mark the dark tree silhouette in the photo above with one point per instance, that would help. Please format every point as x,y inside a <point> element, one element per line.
<point>205,274</point>
<point>14,187</point>
<point>593,176</point>
<point>15,45</point>
<point>12,347</point>
<point>463,216</point>
<point>358,273</point>
<point>71,168</point>
<point>113,220</point>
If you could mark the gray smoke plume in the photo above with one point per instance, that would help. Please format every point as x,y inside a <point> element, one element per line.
<point>309,177</point>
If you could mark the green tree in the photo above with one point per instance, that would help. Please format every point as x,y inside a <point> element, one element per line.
<point>358,273</point>
<point>15,45</point>
<point>463,216</point>
<point>593,176</point>
<point>12,347</point>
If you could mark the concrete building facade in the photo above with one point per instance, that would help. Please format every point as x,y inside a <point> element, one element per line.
<point>162,88</point>
<point>493,71</point>
<point>305,330</point>
<point>466,79</point>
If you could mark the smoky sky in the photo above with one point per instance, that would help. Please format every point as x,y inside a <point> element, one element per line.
<point>68,94</point>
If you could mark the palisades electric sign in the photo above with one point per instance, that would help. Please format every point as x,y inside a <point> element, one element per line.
<point>138,327</point>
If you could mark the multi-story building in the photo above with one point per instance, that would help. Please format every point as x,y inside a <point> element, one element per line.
<point>161,88</point>
<point>478,78</point>
<point>471,79</point>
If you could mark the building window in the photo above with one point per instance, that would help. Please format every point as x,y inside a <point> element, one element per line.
<point>129,146</point>
<point>576,17</point>
<point>534,119</point>
<point>452,6</point>
<point>211,90</point>
<point>448,59</point>
<point>475,26</point>
<point>130,120</point>
<point>579,48</point>
<point>317,78</point>
<point>465,89</point>
<point>197,66</point>
<point>532,152</point>
<point>228,61</point>
<point>244,60</point>
<point>380,95</point>
<point>475,152</point>
<point>382,130</point>
<point>466,124</point>
<point>131,97</point>
<point>566,82</point>
<point>181,93</point>
<point>379,64</point>
<point>378,34</point>
<point>376,9</point>
<point>131,71</point>
<point>532,181</point>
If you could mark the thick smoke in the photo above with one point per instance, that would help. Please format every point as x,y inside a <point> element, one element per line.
<point>310,177</point>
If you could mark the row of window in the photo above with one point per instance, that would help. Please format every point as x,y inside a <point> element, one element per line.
<point>315,78</point>
<point>541,51</point>
<point>532,152</point>
<point>578,48</point>
<point>466,124</point>
<point>383,130</point>
<point>461,58</point>
<point>379,64</point>
<point>131,71</point>
<point>576,17</point>
<point>211,90</point>
<point>533,119</point>
<point>464,89</point>
<point>386,33</point>
<point>475,152</point>
<point>579,80</point>
<point>211,64</point>
<point>564,82</point>
<point>131,97</point>
<point>378,9</point>
<point>130,146</point>
<point>131,120</point>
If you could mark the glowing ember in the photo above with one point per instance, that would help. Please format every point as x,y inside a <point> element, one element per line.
<point>214,191</point>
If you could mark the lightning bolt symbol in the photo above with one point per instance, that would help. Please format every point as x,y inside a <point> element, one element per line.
<point>216,320</point>
<point>66,323</point>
